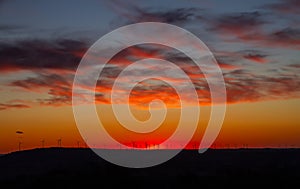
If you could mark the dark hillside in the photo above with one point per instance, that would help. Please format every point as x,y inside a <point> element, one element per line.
<point>81,167</point>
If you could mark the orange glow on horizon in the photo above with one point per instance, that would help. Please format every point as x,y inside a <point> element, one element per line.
<point>263,124</point>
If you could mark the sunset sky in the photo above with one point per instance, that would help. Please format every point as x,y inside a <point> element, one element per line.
<point>256,44</point>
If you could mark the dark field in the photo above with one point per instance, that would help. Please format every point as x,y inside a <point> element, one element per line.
<point>67,168</point>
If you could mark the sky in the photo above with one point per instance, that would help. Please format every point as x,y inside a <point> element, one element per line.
<point>256,44</point>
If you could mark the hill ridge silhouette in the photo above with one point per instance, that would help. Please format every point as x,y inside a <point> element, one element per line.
<point>81,165</point>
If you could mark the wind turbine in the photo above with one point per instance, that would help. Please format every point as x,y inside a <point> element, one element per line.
<point>59,142</point>
<point>19,133</point>
<point>133,144</point>
<point>43,142</point>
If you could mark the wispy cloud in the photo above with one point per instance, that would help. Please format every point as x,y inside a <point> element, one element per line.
<point>4,106</point>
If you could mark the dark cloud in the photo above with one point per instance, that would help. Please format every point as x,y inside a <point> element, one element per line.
<point>57,86</point>
<point>286,36</point>
<point>283,38</point>
<point>250,27</point>
<point>41,54</point>
<point>42,81</point>
<point>176,16</point>
<point>285,6</point>
<point>237,24</point>
<point>255,56</point>
<point>227,61</point>
<point>233,60</point>
<point>245,86</point>
<point>132,13</point>
<point>243,19</point>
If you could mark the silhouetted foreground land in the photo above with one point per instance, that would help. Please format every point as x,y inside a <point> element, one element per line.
<point>62,167</point>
